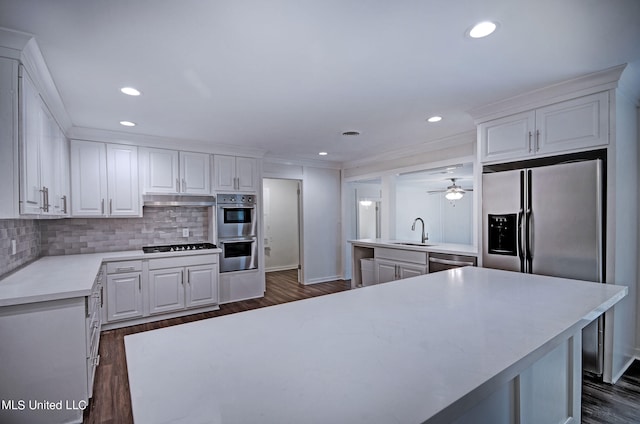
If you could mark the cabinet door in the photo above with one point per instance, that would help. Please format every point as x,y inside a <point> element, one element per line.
<point>124,296</point>
<point>507,138</point>
<point>224,168</point>
<point>246,174</point>
<point>574,124</point>
<point>385,271</point>
<point>31,191</point>
<point>59,188</point>
<point>122,177</point>
<point>48,159</point>
<point>195,177</point>
<point>166,290</point>
<point>202,285</point>
<point>159,170</point>
<point>88,178</point>
<point>410,270</point>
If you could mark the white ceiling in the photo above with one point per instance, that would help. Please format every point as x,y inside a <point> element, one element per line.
<point>289,76</point>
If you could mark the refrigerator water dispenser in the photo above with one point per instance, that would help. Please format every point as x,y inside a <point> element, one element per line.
<point>503,234</point>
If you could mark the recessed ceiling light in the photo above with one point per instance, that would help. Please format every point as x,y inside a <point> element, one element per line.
<point>128,123</point>
<point>351,133</point>
<point>323,153</point>
<point>435,119</point>
<point>482,29</point>
<point>130,91</point>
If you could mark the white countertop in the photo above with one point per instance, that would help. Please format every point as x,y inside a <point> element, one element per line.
<point>399,352</point>
<point>452,248</point>
<point>67,276</point>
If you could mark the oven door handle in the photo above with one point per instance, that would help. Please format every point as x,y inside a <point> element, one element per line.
<point>251,240</point>
<point>237,207</point>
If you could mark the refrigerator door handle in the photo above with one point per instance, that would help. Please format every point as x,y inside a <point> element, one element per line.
<point>520,247</point>
<point>528,242</point>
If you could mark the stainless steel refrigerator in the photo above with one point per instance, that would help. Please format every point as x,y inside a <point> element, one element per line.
<point>548,220</point>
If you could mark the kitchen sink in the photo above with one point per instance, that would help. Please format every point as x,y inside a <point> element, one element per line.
<point>406,243</point>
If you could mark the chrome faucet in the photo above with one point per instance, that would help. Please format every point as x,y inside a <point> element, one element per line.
<point>413,228</point>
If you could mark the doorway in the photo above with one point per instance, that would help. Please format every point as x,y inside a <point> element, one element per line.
<point>282,219</point>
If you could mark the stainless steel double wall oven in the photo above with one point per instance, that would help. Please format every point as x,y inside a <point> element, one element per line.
<point>237,232</point>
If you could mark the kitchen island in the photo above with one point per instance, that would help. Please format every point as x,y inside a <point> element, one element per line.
<point>466,345</point>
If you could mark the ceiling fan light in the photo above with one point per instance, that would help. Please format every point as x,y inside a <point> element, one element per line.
<point>454,195</point>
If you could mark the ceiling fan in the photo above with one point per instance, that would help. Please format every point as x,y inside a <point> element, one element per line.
<point>453,192</point>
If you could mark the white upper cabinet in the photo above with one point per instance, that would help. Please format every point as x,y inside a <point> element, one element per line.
<point>32,192</point>
<point>104,180</point>
<point>235,173</point>
<point>567,126</point>
<point>195,177</point>
<point>122,180</point>
<point>170,171</point>
<point>44,162</point>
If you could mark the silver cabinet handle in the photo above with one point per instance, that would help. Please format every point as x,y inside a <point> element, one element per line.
<point>64,205</point>
<point>184,185</point>
<point>102,207</point>
<point>127,268</point>
<point>110,206</point>
<point>530,148</point>
<point>537,140</point>
<point>450,262</point>
<point>139,284</point>
<point>178,185</point>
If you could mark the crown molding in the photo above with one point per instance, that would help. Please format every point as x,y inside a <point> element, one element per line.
<point>144,140</point>
<point>280,160</point>
<point>595,82</point>
<point>413,150</point>
<point>23,47</point>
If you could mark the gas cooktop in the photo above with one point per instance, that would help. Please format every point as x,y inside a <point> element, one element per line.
<point>178,247</point>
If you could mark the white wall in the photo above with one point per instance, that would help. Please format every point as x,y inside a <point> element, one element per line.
<point>322,226</point>
<point>320,221</point>
<point>445,221</point>
<point>621,331</point>
<point>280,206</point>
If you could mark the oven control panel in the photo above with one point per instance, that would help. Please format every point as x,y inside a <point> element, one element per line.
<point>234,198</point>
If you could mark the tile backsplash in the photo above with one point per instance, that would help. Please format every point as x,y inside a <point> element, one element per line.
<point>93,235</point>
<point>26,233</point>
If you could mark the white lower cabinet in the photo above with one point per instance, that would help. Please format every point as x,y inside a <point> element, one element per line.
<point>166,290</point>
<point>174,289</point>
<point>124,290</point>
<point>390,270</point>
<point>396,264</point>
<point>141,291</point>
<point>51,357</point>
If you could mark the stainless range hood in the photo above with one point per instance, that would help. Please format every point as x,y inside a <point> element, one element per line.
<point>159,200</point>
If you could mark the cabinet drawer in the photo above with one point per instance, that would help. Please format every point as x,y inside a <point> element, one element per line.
<point>182,261</point>
<point>401,255</point>
<point>123,266</point>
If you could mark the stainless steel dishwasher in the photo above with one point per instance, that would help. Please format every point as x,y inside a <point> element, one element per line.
<point>443,261</point>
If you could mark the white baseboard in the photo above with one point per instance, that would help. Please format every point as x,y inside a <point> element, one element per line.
<point>322,280</point>
<point>280,268</point>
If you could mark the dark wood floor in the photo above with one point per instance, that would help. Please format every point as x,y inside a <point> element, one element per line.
<point>601,403</point>
<point>111,403</point>
<point>619,404</point>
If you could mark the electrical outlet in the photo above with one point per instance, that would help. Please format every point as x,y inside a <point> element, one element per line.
<point>13,247</point>
<point>185,232</point>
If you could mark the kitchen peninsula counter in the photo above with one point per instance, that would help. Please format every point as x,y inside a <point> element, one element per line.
<point>68,276</point>
<point>436,247</point>
<point>464,345</point>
